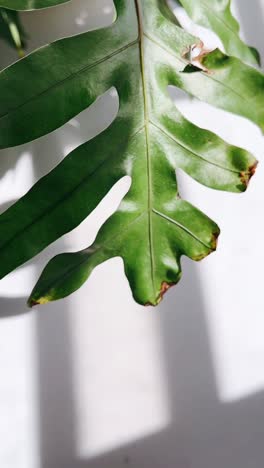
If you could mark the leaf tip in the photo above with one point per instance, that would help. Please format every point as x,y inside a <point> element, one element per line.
<point>21,53</point>
<point>165,286</point>
<point>214,240</point>
<point>245,176</point>
<point>31,303</point>
<point>35,302</point>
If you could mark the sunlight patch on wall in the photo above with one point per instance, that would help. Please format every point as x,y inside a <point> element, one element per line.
<point>120,382</point>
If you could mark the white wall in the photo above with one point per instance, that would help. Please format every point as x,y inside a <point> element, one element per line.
<point>97,381</point>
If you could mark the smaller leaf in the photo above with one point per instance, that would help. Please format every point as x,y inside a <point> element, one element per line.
<point>30,4</point>
<point>216,15</point>
<point>11,30</point>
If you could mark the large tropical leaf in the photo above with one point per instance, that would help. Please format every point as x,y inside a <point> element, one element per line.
<point>143,52</point>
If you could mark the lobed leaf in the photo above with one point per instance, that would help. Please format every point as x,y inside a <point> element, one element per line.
<point>143,52</point>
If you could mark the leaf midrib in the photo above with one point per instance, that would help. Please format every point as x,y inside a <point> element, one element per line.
<point>146,119</point>
<point>151,209</point>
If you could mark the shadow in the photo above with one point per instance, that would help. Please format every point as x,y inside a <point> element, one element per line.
<point>10,158</point>
<point>211,433</point>
<point>55,387</point>
<point>203,431</point>
<point>191,386</point>
<point>13,307</point>
<point>190,382</point>
<point>251,20</point>
<point>52,338</point>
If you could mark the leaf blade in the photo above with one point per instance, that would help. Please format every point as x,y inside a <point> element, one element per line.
<point>148,141</point>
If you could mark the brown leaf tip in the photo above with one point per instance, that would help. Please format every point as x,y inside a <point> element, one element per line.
<point>214,241</point>
<point>32,303</point>
<point>164,288</point>
<point>245,176</point>
<point>253,168</point>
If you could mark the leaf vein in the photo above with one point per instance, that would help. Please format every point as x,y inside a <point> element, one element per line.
<point>70,77</point>
<point>193,152</point>
<point>179,225</point>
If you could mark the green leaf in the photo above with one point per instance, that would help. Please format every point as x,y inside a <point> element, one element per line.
<point>30,4</point>
<point>216,15</point>
<point>142,53</point>
<point>11,30</point>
